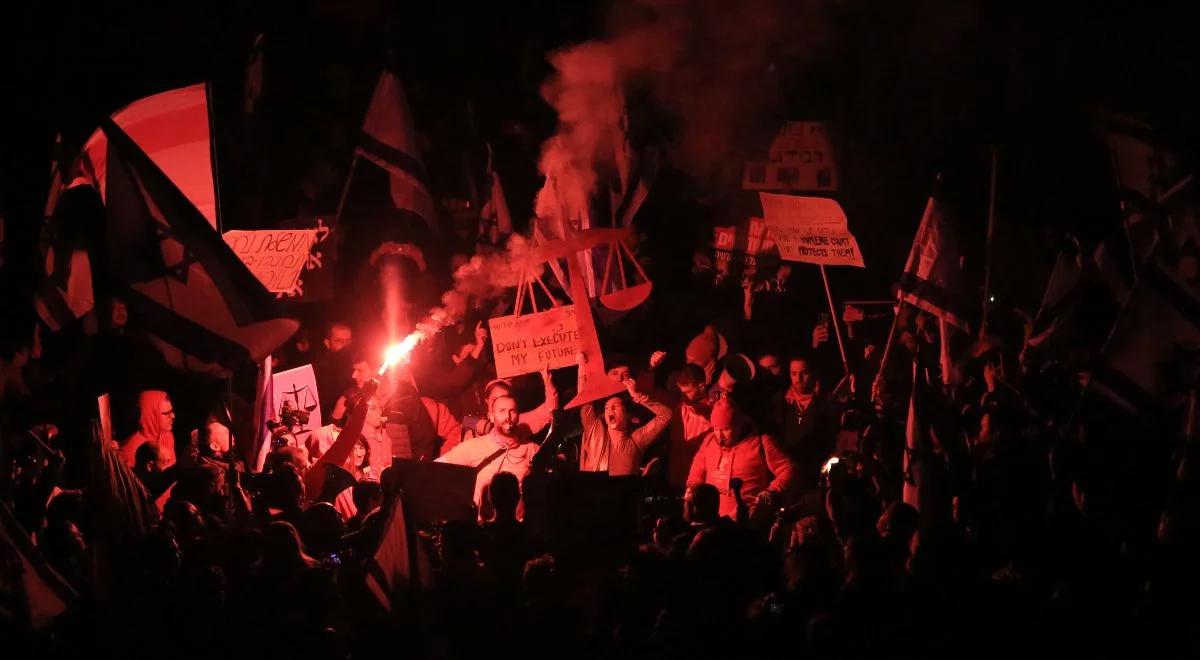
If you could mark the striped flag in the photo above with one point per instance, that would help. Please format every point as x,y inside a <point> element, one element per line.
<point>400,566</point>
<point>122,513</point>
<point>46,593</point>
<point>172,128</point>
<point>916,436</point>
<point>204,310</point>
<point>64,293</point>
<point>630,190</point>
<point>1152,358</point>
<point>1142,166</point>
<point>495,221</point>
<point>389,139</point>
<point>1066,279</point>
<point>932,279</point>
<point>118,498</point>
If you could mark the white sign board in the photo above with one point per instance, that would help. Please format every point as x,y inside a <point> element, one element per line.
<point>275,256</point>
<point>810,230</point>
<point>526,343</point>
<point>298,387</point>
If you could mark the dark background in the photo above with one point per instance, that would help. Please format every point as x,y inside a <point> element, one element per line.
<point>911,89</point>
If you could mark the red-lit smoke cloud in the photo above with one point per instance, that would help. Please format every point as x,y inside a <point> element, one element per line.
<point>712,65</point>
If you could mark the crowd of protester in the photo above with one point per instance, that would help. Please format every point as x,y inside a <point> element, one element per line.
<point>742,497</point>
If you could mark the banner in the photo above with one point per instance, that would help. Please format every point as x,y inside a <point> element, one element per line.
<point>810,230</point>
<point>526,343</point>
<point>298,389</point>
<point>275,256</point>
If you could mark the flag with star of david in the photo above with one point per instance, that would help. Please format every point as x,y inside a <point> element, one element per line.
<point>205,311</point>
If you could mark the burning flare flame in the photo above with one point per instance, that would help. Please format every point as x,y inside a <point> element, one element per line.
<point>397,352</point>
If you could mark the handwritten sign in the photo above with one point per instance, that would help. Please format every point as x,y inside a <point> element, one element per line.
<point>526,343</point>
<point>275,256</point>
<point>810,230</point>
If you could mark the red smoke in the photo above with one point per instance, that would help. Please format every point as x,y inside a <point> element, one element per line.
<point>713,65</point>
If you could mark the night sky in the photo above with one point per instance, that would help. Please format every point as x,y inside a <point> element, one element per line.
<point>910,88</point>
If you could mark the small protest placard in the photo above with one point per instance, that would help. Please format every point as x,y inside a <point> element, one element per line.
<point>298,388</point>
<point>526,343</point>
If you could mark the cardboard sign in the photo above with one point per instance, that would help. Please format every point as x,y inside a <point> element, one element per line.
<point>316,279</point>
<point>526,343</point>
<point>299,388</point>
<point>800,159</point>
<point>810,230</point>
<point>275,256</point>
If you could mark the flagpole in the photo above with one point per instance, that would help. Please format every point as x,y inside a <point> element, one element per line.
<point>887,347</point>
<point>837,330</point>
<point>944,350</point>
<point>212,156</point>
<point>346,187</point>
<point>987,253</point>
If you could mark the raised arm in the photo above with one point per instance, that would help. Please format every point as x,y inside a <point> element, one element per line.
<point>646,435</point>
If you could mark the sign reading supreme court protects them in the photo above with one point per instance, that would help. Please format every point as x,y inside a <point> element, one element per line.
<point>810,230</point>
<point>526,343</point>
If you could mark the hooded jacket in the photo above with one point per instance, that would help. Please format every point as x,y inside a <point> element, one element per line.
<point>150,430</point>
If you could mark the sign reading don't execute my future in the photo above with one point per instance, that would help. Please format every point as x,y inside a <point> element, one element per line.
<point>526,343</point>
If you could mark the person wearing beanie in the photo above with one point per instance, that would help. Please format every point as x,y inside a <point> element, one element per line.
<point>705,350</point>
<point>734,451</point>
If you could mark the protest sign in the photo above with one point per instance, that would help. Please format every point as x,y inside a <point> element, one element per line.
<point>800,159</point>
<point>275,256</point>
<point>298,388</point>
<point>526,343</point>
<point>743,244</point>
<point>810,230</point>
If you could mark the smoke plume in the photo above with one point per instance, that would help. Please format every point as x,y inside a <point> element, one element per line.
<point>482,277</point>
<point>713,66</point>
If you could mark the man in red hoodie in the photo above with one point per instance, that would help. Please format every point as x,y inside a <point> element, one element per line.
<point>733,450</point>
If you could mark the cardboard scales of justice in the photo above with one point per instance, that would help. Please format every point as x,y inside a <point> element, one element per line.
<point>597,384</point>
